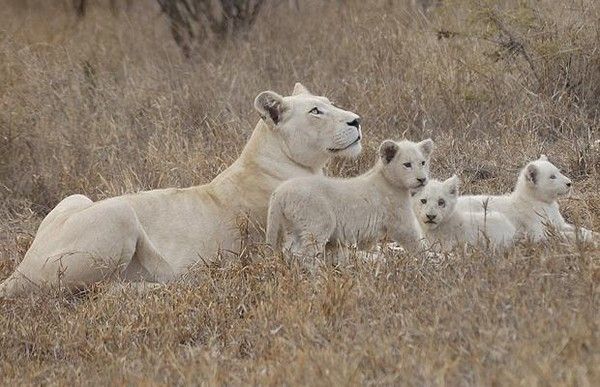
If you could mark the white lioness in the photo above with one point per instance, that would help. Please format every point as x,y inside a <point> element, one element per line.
<point>532,206</point>
<point>312,213</point>
<point>446,226</point>
<point>157,235</point>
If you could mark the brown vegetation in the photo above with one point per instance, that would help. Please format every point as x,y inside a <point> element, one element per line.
<point>106,104</point>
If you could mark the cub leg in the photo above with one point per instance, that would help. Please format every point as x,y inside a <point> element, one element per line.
<point>312,228</point>
<point>410,236</point>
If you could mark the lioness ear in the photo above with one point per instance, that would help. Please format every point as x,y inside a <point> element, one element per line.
<point>387,150</point>
<point>543,158</point>
<point>426,147</point>
<point>300,89</point>
<point>452,184</point>
<point>270,106</point>
<point>531,174</point>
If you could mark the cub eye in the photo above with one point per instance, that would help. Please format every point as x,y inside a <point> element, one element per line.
<point>422,162</point>
<point>424,201</point>
<point>441,202</point>
<point>315,111</point>
<point>553,177</point>
<point>407,165</point>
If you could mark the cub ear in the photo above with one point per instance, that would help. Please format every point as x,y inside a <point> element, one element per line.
<point>531,174</point>
<point>300,89</point>
<point>270,106</point>
<point>543,157</point>
<point>452,185</point>
<point>426,147</point>
<point>388,150</point>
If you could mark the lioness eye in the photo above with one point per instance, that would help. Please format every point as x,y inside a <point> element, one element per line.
<point>424,201</point>
<point>407,165</point>
<point>422,162</point>
<point>315,111</point>
<point>553,176</point>
<point>441,202</point>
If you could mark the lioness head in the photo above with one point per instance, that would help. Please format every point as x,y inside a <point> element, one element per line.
<point>311,129</point>
<point>406,163</point>
<point>544,180</point>
<point>436,202</point>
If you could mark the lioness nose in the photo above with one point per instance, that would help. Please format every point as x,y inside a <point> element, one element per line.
<point>355,122</point>
<point>431,217</point>
<point>422,180</point>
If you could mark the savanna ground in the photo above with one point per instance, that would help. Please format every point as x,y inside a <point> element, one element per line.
<point>107,104</point>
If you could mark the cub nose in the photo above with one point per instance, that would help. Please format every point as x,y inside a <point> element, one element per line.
<point>355,122</point>
<point>422,180</point>
<point>431,217</point>
<point>569,184</point>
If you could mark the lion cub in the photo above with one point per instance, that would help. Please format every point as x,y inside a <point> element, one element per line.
<point>446,226</point>
<point>311,213</point>
<point>533,205</point>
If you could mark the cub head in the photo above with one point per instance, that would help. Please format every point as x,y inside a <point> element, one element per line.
<point>406,164</point>
<point>436,202</point>
<point>544,181</point>
<point>310,128</point>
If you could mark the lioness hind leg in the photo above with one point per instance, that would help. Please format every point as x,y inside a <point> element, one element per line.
<point>147,263</point>
<point>78,248</point>
<point>22,283</point>
<point>69,205</point>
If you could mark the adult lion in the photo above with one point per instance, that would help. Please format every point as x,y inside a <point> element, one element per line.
<point>156,235</point>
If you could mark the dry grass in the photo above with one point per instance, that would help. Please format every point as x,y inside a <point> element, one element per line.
<point>107,105</point>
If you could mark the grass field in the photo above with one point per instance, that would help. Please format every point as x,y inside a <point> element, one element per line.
<point>107,104</point>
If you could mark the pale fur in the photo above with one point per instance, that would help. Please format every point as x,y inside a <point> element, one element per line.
<point>446,226</point>
<point>312,213</point>
<point>533,207</point>
<point>157,235</point>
